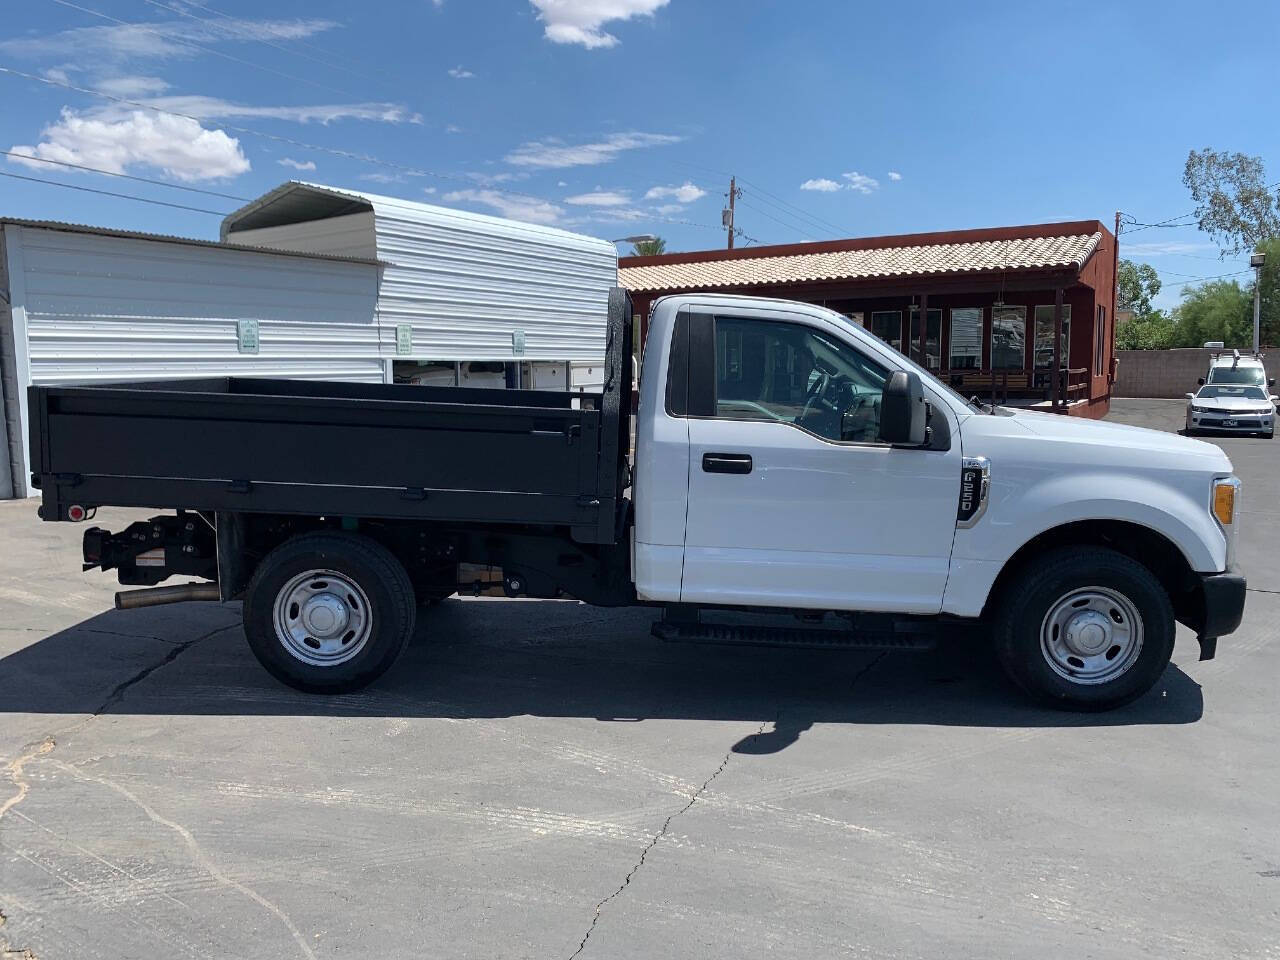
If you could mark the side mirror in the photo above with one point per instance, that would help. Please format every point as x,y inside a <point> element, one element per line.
<point>902,410</point>
<point>1201,381</point>
<point>1274,398</point>
<point>1191,396</point>
<point>1271,382</point>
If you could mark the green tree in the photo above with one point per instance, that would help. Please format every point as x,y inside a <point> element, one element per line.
<point>1137,284</point>
<point>1234,203</point>
<point>1269,315</point>
<point>1217,310</point>
<point>649,248</point>
<point>1154,331</point>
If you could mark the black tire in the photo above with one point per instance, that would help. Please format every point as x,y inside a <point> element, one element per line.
<point>378,575</point>
<point>1027,600</point>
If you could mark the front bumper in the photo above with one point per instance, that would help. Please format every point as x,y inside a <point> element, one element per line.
<point>1222,596</point>
<point>1243,422</point>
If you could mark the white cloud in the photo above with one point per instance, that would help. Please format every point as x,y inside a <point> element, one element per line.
<point>556,154</point>
<point>687,192</point>
<point>1158,248</point>
<point>821,184</point>
<point>861,182</point>
<point>297,164</point>
<point>460,73</point>
<point>381,177</point>
<point>579,21</point>
<point>562,183</point>
<point>57,75</point>
<point>600,198</point>
<point>428,189</point>
<point>132,87</point>
<point>894,175</point>
<point>179,146</point>
<point>667,209</point>
<point>160,40</point>
<point>215,108</point>
<point>529,209</point>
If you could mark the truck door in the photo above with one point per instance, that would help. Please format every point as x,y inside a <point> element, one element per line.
<point>793,500</point>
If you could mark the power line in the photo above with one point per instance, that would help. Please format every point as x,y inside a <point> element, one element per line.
<point>108,193</point>
<point>277,138</point>
<point>386,78</point>
<point>123,176</point>
<point>769,216</point>
<point>233,23</point>
<point>197,46</point>
<point>826,224</point>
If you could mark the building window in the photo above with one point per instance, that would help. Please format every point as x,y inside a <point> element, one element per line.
<point>1044,335</point>
<point>1008,337</point>
<point>966,338</point>
<point>887,325</point>
<point>932,357</point>
<point>1100,342</point>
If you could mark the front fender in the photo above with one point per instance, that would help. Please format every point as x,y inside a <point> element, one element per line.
<point>1026,503</point>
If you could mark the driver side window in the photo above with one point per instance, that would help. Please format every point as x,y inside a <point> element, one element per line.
<point>775,371</point>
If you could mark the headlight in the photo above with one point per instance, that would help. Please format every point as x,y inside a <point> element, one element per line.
<point>1195,409</point>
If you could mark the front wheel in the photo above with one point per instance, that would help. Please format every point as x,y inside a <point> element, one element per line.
<point>1085,628</point>
<point>329,612</point>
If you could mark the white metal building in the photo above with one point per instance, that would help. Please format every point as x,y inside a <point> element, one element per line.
<point>310,282</point>
<point>84,304</point>
<point>465,298</point>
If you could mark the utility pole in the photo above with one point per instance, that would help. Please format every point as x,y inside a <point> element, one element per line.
<point>1256,261</point>
<point>726,216</point>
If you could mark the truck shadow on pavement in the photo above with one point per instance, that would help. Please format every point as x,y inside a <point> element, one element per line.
<point>486,659</point>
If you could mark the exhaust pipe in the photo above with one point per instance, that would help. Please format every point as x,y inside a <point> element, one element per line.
<point>154,596</point>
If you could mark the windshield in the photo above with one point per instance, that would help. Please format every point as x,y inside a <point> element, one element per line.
<point>1251,375</point>
<point>1212,391</point>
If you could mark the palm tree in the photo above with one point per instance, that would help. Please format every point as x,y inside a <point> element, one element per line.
<point>649,248</point>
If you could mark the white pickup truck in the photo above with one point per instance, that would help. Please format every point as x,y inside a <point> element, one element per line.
<point>795,481</point>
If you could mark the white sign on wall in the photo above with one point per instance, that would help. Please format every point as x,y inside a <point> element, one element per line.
<point>247,336</point>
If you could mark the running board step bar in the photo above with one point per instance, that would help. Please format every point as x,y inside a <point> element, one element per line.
<point>755,635</point>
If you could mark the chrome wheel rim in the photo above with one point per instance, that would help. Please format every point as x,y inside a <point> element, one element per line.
<point>322,618</point>
<point>1091,635</point>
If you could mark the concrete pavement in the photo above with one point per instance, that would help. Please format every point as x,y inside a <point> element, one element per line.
<point>538,779</point>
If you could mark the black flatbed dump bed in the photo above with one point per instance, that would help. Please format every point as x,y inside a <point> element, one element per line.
<point>246,445</point>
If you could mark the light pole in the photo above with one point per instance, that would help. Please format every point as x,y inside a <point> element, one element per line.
<point>638,238</point>
<point>1256,262</point>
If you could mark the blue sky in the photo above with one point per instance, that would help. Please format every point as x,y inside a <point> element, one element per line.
<point>620,117</point>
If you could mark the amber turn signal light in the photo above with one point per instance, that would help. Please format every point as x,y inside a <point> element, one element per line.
<point>1224,501</point>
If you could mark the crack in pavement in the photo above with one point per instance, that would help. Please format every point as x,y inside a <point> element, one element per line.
<point>740,747</point>
<point>653,842</point>
<point>36,751</point>
<point>198,854</point>
<point>8,950</point>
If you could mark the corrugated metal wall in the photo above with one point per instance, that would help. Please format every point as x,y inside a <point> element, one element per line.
<point>106,308</point>
<point>464,281</point>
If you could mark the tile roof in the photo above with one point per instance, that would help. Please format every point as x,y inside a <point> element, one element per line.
<point>935,259</point>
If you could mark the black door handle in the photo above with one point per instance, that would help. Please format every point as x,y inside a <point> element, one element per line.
<point>726,462</point>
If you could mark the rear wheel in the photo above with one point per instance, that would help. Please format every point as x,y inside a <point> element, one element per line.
<point>329,612</point>
<point>1085,628</point>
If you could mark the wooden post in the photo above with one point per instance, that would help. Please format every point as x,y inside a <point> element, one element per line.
<point>1057,350</point>
<point>924,329</point>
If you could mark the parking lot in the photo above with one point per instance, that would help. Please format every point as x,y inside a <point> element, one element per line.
<point>541,779</point>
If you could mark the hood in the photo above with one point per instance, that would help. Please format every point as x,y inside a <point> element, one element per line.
<point>1240,404</point>
<point>1116,438</point>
